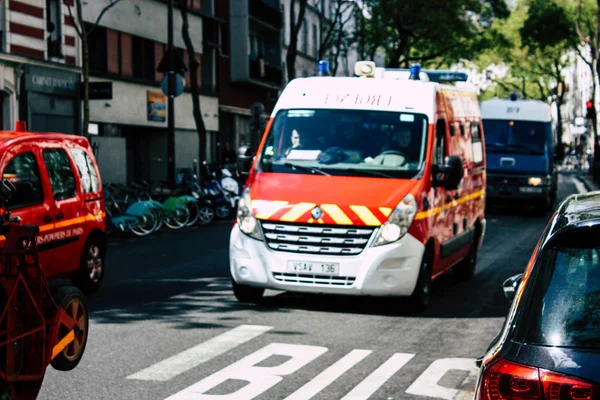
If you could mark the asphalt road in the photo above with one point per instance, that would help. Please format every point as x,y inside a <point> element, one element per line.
<point>166,325</point>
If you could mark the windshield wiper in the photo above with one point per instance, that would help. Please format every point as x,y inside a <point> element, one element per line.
<point>368,172</point>
<point>307,169</point>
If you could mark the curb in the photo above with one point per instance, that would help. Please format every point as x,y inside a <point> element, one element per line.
<point>585,183</point>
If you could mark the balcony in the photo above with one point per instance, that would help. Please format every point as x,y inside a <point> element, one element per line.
<point>267,12</point>
<point>264,72</point>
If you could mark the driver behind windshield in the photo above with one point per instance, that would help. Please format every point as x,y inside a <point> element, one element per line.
<point>397,151</point>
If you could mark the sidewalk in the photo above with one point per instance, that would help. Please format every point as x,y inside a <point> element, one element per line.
<point>588,181</point>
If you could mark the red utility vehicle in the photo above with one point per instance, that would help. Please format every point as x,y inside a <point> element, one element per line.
<point>58,189</point>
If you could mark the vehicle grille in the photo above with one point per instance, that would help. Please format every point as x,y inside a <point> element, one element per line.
<point>309,279</point>
<point>311,239</point>
<point>507,180</point>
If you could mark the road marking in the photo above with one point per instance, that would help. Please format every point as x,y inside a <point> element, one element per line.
<point>260,379</point>
<point>427,383</point>
<point>373,382</point>
<point>579,185</point>
<point>328,376</point>
<point>191,358</point>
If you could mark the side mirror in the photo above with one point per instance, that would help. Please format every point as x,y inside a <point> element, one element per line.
<point>510,286</point>
<point>450,174</point>
<point>245,159</point>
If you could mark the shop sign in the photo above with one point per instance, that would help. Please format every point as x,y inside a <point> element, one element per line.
<point>157,106</point>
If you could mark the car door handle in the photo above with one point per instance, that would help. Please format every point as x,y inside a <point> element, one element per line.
<point>60,216</point>
<point>47,218</point>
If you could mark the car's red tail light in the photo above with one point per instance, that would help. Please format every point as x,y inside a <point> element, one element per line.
<point>505,380</point>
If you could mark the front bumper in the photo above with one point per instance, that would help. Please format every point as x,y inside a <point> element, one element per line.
<point>508,187</point>
<point>389,270</point>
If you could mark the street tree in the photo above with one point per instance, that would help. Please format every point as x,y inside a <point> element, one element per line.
<point>549,35</point>
<point>441,32</point>
<point>295,26</point>
<point>335,37</point>
<point>193,66</point>
<point>587,24</point>
<point>83,32</point>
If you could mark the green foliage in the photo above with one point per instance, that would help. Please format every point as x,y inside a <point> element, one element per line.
<point>435,32</point>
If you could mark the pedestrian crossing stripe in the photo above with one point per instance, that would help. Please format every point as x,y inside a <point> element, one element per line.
<point>260,379</point>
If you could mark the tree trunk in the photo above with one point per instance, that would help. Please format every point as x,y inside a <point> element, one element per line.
<point>194,85</point>
<point>294,30</point>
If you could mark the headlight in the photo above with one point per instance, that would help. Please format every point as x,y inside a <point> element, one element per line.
<point>398,222</point>
<point>245,220</point>
<point>537,180</point>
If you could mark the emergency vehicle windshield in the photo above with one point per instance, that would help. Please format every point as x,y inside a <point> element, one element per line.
<point>516,136</point>
<point>346,142</point>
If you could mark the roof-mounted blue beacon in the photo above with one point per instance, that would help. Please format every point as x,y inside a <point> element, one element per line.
<point>415,71</point>
<point>323,69</point>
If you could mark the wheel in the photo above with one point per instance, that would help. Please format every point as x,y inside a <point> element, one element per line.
<point>90,274</point>
<point>179,218</point>
<point>222,211</point>
<point>206,215</point>
<point>247,294</point>
<point>421,296</point>
<point>194,213</point>
<point>148,225</point>
<point>465,270</point>
<point>543,206</point>
<point>71,300</point>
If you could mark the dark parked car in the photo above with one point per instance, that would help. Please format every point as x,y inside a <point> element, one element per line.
<point>549,347</point>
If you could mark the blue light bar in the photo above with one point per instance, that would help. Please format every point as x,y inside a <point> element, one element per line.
<point>447,76</point>
<point>415,70</point>
<point>323,69</point>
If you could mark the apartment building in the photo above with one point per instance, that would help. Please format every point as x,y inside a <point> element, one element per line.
<point>39,55</point>
<point>131,127</point>
<point>40,79</point>
<point>250,71</point>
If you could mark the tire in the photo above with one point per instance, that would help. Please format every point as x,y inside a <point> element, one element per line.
<point>206,215</point>
<point>543,206</point>
<point>247,294</point>
<point>194,213</point>
<point>90,274</point>
<point>149,226</point>
<point>72,301</point>
<point>421,297</point>
<point>179,220</point>
<point>465,270</point>
<point>223,211</point>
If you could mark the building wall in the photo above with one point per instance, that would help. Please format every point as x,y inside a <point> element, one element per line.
<point>145,18</point>
<point>26,30</point>
<point>8,98</point>
<point>129,106</point>
<point>111,158</point>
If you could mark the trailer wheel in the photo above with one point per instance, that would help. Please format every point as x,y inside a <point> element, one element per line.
<point>71,300</point>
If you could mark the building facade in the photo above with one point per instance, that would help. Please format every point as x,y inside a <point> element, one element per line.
<point>250,71</point>
<point>39,74</point>
<point>40,79</point>
<point>314,31</point>
<point>125,51</point>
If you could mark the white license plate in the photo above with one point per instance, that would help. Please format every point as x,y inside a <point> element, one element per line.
<point>526,189</point>
<point>315,268</point>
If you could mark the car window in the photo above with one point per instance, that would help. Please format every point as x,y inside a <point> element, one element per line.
<point>23,172</point>
<point>565,302</point>
<point>476,143</point>
<point>87,172</point>
<point>60,173</point>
